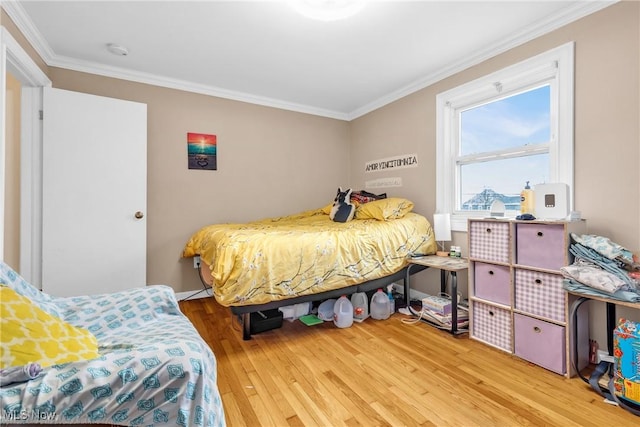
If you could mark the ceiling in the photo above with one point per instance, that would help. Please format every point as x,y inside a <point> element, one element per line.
<point>264,52</point>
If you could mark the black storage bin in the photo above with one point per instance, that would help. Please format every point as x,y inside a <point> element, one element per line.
<point>265,320</point>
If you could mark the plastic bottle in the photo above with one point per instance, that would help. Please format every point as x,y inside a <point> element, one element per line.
<point>326,310</point>
<point>392,301</point>
<point>526,200</point>
<point>360,304</point>
<point>343,312</point>
<point>379,305</point>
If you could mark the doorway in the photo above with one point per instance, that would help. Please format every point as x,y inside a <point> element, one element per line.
<point>17,67</point>
<point>11,242</point>
<point>22,204</point>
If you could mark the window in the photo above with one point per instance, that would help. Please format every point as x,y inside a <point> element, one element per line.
<point>498,132</point>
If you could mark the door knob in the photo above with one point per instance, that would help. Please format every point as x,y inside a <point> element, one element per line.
<point>139,215</point>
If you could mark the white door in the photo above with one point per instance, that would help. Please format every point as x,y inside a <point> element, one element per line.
<point>94,194</point>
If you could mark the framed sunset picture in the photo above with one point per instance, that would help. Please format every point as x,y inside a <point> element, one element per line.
<point>201,150</point>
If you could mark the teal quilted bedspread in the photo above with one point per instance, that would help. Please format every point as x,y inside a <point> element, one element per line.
<point>154,369</point>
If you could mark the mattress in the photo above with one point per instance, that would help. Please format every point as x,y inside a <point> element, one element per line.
<point>305,254</point>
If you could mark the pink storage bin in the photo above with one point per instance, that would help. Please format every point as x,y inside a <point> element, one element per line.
<point>492,325</point>
<point>541,245</point>
<point>489,241</point>
<point>540,342</point>
<point>540,294</point>
<point>492,282</point>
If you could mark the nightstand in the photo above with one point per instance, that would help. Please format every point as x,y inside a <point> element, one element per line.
<point>450,265</point>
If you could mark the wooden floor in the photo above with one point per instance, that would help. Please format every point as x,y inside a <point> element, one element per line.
<point>385,373</point>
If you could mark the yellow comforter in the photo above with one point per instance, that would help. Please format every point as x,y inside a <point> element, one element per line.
<point>307,253</point>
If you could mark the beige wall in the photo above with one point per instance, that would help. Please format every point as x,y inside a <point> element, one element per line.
<point>12,173</point>
<point>274,162</point>
<point>607,111</point>
<point>271,162</point>
<point>607,128</point>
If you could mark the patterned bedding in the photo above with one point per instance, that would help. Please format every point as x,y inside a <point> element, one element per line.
<point>304,254</point>
<point>154,368</point>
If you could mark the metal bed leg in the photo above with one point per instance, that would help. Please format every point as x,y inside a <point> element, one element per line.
<point>246,326</point>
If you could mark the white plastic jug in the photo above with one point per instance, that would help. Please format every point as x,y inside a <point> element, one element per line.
<point>360,304</point>
<point>325,310</point>
<point>343,312</point>
<point>380,305</point>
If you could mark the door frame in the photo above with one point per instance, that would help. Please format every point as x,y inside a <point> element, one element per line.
<point>15,59</point>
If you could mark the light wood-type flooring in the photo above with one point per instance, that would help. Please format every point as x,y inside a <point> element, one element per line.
<point>385,373</point>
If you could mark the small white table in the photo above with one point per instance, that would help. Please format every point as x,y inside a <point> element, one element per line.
<point>445,264</point>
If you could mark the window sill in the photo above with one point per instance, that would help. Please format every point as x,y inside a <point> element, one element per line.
<point>459,221</point>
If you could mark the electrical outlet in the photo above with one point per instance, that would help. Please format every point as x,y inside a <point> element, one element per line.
<point>196,262</point>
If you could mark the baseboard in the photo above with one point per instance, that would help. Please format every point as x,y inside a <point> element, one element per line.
<point>203,294</point>
<point>415,295</point>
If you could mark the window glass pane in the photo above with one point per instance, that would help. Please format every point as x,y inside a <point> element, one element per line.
<point>482,183</point>
<point>515,121</point>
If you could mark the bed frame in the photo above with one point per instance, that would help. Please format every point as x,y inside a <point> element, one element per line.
<point>244,311</point>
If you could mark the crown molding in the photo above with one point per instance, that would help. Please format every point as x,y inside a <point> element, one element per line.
<point>19,17</point>
<point>568,15</point>
<point>187,86</point>
<point>572,13</point>
<point>20,63</point>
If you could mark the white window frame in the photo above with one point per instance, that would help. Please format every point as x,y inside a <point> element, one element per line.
<point>556,67</point>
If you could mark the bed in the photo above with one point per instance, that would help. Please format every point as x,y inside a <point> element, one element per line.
<point>307,256</point>
<point>148,365</point>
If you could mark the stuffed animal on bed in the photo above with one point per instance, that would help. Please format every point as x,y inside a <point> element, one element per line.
<point>343,209</point>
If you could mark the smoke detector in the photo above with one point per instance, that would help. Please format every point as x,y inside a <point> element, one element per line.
<point>117,49</point>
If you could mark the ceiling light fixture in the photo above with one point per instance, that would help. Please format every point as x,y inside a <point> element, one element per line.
<point>116,49</point>
<point>328,10</point>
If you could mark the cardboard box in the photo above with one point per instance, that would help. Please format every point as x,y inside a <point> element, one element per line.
<point>626,349</point>
<point>437,304</point>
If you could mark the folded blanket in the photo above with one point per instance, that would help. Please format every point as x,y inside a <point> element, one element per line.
<point>593,257</point>
<point>603,246</point>
<point>621,295</point>
<point>594,277</point>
